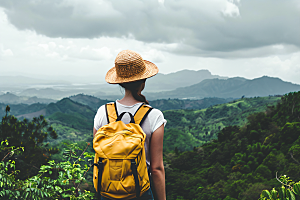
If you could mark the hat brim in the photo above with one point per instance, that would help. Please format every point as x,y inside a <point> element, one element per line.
<point>112,77</point>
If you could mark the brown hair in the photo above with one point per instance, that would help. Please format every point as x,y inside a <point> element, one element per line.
<point>134,87</point>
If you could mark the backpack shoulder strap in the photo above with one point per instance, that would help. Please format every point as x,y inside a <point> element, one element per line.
<point>111,112</point>
<point>141,114</point>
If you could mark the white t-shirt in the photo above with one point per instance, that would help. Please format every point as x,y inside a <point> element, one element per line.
<point>152,122</point>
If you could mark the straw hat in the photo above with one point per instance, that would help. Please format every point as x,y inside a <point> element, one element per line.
<point>129,67</point>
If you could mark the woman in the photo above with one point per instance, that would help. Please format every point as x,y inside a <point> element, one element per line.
<point>131,72</point>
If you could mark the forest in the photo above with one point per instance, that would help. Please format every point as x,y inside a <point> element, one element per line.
<point>247,141</point>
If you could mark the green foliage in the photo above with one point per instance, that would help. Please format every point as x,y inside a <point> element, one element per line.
<point>62,180</point>
<point>31,135</point>
<point>243,161</point>
<point>73,120</point>
<point>289,190</point>
<point>175,104</point>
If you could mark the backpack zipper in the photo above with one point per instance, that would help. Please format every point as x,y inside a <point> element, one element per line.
<point>120,132</point>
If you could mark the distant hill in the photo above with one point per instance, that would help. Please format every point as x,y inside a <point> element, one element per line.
<point>183,78</point>
<point>161,104</point>
<point>10,98</point>
<point>47,93</point>
<point>231,88</point>
<point>91,101</point>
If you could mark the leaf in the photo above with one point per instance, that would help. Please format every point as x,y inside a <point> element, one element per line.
<point>290,195</point>
<point>296,188</point>
<point>274,193</point>
<point>266,193</point>
<point>282,193</point>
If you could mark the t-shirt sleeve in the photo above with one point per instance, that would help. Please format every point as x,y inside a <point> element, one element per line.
<point>100,117</point>
<point>156,119</point>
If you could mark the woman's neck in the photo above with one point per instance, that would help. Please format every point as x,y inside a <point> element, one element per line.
<point>128,99</point>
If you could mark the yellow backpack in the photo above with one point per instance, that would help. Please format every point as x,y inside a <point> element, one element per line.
<point>120,169</point>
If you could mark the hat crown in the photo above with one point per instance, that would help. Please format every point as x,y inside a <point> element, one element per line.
<point>129,63</point>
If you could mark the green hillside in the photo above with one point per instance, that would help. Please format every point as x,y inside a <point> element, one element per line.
<point>18,109</point>
<point>71,120</point>
<point>191,128</point>
<point>185,128</point>
<point>91,101</point>
<point>67,106</point>
<point>243,160</point>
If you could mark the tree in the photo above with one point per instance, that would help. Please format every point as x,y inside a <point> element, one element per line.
<point>31,135</point>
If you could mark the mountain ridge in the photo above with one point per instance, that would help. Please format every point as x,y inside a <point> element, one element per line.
<point>231,88</point>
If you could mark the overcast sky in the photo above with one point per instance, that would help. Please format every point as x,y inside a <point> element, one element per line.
<point>247,38</point>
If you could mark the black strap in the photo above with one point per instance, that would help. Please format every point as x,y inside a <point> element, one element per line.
<point>115,104</point>
<point>106,114</point>
<point>145,116</point>
<point>136,179</point>
<point>100,171</point>
<point>122,114</point>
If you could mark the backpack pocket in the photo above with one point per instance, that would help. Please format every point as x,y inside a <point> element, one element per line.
<point>115,170</point>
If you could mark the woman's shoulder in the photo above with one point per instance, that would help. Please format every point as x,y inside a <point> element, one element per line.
<point>101,111</point>
<point>156,111</point>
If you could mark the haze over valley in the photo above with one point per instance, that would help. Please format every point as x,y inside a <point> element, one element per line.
<point>185,84</point>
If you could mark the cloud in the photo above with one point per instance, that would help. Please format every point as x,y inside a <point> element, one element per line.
<point>217,28</point>
<point>154,55</point>
<point>5,52</point>
<point>68,50</point>
<point>231,9</point>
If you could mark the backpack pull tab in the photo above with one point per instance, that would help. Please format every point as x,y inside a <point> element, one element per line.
<point>136,179</point>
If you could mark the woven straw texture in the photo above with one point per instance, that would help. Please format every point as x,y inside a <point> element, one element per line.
<point>130,66</point>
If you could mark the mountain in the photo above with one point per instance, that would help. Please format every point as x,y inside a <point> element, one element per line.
<point>183,78</point>
<point>231,88</point>
<point>185,84</point>
<point>10,98</point>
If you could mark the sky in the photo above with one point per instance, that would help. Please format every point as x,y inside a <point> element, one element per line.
<point>75,38</point>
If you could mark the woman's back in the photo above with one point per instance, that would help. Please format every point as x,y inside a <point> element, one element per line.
<point>152,122</point>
